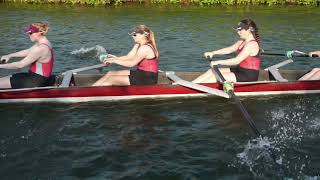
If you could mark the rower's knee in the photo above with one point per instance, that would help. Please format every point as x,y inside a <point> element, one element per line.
<point>316,69</point>
<point>109,73</point>
<point>317,73</point>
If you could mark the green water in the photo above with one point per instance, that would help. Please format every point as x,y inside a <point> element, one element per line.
<point>176,139</point>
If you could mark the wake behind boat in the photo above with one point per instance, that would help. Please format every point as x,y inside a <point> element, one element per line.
<point>73,86</point>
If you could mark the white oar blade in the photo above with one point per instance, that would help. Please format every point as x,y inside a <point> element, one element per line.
<point>171,75</point>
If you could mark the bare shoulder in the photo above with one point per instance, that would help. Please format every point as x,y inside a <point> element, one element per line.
<point>41,50</point>
<point>237,44</point>
<point>145,49</point>
<point>44,48</point>
<point>253,44</point>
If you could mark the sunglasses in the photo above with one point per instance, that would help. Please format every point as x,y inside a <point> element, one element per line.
<point>134,34</point>
<point>30,33</point>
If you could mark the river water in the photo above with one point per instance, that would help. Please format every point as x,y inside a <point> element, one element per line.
<point>161,139</point>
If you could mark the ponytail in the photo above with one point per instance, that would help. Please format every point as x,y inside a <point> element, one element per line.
<point>152,41</point>
<point>256,36</point>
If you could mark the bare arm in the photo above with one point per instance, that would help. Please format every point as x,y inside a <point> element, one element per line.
<point>33,55</point>
<point>142,53</point>
<point>227,50</point>
<point>132,52</point>
<point>251,49</point>
<point>22,53</point>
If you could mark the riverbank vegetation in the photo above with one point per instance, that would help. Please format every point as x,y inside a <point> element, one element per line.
<point>184,2</point>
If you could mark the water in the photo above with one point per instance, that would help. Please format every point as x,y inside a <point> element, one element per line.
<point>161,139</point>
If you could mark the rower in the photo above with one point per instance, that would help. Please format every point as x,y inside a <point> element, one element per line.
<point>247,62</point>
<point>314,74</point>
<point>40,57</point>
<point>144,55</point>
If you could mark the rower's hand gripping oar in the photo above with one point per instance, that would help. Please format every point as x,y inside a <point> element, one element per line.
<point>228,88</point>
<point>103,57</point>
<point>4,59</point>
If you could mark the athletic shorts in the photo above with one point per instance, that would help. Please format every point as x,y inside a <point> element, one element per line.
<point>245,75</point>
<point>29,80</point>
<point>139,77</point>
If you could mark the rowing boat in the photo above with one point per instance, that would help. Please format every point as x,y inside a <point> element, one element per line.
<point>73,86</point>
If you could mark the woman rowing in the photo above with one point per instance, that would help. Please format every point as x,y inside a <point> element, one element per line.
<point>144,55</point>
<point>247,61</point>
<point>40,58</point>
<point>314,74</point>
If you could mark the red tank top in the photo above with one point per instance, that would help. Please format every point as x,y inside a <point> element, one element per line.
<point>250,62</point>
<point>43,69</point>
<point>150,65</point>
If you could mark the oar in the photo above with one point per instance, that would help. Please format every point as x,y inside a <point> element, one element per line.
<point>171,75</point>
<point>68,74</point>
<point>238,102</point>
<point>294,54</point>
<point>245,113</point>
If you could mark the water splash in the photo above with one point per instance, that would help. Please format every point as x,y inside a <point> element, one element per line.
<point>258,156</point>
<point>91,52</point>
<point>315,125</point>
<point>289,126</point>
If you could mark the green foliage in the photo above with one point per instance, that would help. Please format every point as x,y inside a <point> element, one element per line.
<point>194,2</point>
<point>82,2</point>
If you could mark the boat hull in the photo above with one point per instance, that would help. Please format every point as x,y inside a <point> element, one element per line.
<point>160,91</point>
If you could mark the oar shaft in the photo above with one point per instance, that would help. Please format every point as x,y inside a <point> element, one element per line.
<point>245,114</point>
<point>250,121</point>
<point>239,104</point>
<point>273,54</point>
<point>280,54</point>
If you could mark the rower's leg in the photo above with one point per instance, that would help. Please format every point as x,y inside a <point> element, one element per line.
<point>203,77</point>
<point>5,82</point>
<point>229,76</point>
<point>310,74</point>
<point>209,77</point>
<point>116,80</point>
<point>109,74</point>
<point>316,75</point>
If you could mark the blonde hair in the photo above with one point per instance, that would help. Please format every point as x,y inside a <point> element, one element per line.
<point>43,27</point>
<point>143,29</point>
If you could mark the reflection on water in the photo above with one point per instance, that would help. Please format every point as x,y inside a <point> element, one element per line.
<point>160,139</point>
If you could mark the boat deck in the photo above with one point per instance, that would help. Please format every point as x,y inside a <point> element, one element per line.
<point>264,76</point>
